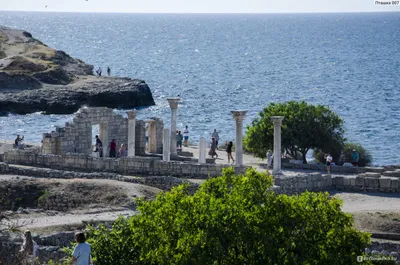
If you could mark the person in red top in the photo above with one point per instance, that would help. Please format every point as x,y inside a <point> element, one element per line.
<point>113,148</point>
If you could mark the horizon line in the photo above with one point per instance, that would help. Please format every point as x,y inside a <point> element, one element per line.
<point>204,13</point>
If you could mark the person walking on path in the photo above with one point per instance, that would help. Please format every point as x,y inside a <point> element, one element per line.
<point>108,71</point>
<point>229,152</point>
<point>329,160</point>
<point>29,249</point>
<point>212,151</point>
<point>179,138</point>
<point>354,157</point>
<point>215,135</point>
<point>82,254</point>
<point>186,136</point>
<point>113,148</point>
<point>269,159</point>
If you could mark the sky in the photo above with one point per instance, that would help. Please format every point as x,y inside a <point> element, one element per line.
<point>200,6</point>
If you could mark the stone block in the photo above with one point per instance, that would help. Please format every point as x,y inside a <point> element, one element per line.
<point>371,183</point>
<point>375,169</point>
<point>394,184</point>
<point>339,181</point>
<point>360,181</point>
<point>385,182</point>
<point>372,175</point>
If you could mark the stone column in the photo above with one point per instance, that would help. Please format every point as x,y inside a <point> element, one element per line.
<point>202,150</point>
<point>173,103</point>
<point>131,132</point>
<point>239,115</point>
<point>103,135</point>
<point>277,120</point>
<point>166,143</point>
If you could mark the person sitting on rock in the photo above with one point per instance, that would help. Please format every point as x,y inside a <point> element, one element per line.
<point>18,142</point>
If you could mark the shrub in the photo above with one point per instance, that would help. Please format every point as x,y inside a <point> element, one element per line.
<point>232,220</point>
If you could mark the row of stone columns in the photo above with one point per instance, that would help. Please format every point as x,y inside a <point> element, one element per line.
<point>169,136</point>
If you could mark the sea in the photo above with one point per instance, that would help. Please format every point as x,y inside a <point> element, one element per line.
<point>217,63</point>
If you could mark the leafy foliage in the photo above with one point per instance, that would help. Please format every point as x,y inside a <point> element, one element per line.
<point>232,220</point>
<point>304,127</point>
<point>365,158</point>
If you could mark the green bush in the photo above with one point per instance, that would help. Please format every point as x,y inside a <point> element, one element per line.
<point>232,220</point>
<point>365,158</point>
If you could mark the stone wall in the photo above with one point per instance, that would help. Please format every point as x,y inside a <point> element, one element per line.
<point>127,166</point>
<point>367,182</point>
<point>76,136</point>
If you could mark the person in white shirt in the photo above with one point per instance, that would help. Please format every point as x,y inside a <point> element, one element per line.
<point>329,160</point>
<point>185,136</point>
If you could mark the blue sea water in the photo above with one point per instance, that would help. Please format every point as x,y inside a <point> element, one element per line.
<point>218,63</point>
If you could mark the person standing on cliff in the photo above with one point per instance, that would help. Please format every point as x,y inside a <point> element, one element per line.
<point>108,71</point>
<point>98,71</point>
<point>215,135</point>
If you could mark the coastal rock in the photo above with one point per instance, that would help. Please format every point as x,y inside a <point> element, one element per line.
<point>35,77</point>
<point>91,91</point>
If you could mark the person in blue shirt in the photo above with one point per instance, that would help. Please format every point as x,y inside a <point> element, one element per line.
<point>354,157</point>
<point>82,254</point>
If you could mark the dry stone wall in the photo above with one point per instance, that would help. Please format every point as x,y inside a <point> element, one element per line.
<point>137,165</point>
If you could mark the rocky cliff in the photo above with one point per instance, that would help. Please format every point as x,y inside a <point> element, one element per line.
<point>35,77</point>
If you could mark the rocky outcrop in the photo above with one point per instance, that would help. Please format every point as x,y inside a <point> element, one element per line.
<point>121,93</point>
<point>35,77</point>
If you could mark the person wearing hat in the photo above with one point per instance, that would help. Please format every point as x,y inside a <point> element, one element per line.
<point>354,158</point>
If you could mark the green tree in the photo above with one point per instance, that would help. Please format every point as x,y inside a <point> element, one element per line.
<point>304,127</point>
<point>233,220</point>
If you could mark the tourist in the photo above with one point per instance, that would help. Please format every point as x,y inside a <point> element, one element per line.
<point>122,151</point>
<point>329,160</point>
<point>269,159</point>
<point>113,148</point>
<point>186,136</point>
<point>108,71</point>
<point>99,146</point>
<point>354,157</point>
<point>215,135</point>
<point>179,138</point>
<point>29,249</point>
<point>82,254</point>
<point>98,71</point>
<point>212,151</point>
<point>229,152</point>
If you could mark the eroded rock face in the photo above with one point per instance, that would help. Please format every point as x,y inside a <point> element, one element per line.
<point>35,77</point>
